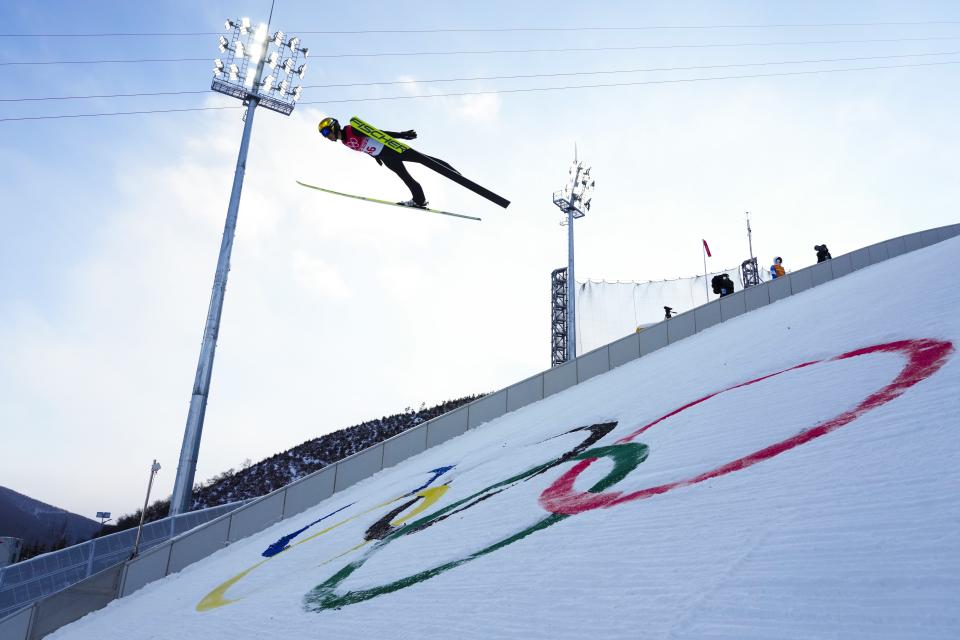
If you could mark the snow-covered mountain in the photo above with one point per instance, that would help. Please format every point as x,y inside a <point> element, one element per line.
<point>40,523</point>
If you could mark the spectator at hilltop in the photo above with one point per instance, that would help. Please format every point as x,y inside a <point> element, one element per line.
<point>776,269</point>
<point>279,470</point>
<point>283,468</point>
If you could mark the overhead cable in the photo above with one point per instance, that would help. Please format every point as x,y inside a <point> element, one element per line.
<point>506,91</point>
<point>806,25</point>
<point>509,77</point>
<point>385,54</point>
<point>631,84</point>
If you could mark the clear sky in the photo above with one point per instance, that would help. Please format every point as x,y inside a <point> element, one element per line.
<point>339,311</point>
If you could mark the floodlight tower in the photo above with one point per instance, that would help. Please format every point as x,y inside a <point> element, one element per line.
<point>749,273</point>
<point>558,317</point>
<point>240,74</point>
<point>574,200</point>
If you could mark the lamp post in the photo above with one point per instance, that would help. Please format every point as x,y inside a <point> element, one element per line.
<point>143,514</point>
<point>247,55</point>
<point>573,200</point>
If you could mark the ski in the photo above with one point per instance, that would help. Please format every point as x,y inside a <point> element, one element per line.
<point>378,201</point>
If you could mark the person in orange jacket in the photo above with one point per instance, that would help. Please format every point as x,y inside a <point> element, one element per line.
<point>776,269</point>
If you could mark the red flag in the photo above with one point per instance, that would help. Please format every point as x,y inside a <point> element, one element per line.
<point>707,249</point>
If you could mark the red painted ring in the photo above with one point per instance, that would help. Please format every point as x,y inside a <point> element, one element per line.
<point>924,358</point>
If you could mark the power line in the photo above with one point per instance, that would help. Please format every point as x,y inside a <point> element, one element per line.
<point>641,28</point>
<point>36,62</point>
<point>504,91</point>
<point>108,95</point>
<point>507,29</point>
<point>508,51</point>
<point>109,35</point>
<point>510,77</point>
<point>628,48</point>
<point>615,71</point>
<point>115,113</point>
<point>631,84</point>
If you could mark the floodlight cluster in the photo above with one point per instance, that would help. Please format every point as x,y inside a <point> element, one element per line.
<point>256,64</point>
<point>578,194</point>
<point>583,189</point>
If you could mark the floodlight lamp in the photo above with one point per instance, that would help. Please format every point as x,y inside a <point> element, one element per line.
<point>272,59</point>
<point>229,25</point>
<point>284,85</point>
<point>288,65</point>
<point>224,44</point>
<point>244,25</point>
<point>278,38</point>
<point>296,93</point>
<point>294,43</point>
<point>266,84</point>
<point>218,66</point>
<point>302,70</point>
<point>304,52</point>
<point>234,72</point>
<point>238,49</point>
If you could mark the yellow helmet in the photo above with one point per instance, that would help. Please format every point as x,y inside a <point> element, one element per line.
<point>328,126</point>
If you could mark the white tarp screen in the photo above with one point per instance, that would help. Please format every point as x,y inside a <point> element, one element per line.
<point>608,311</point>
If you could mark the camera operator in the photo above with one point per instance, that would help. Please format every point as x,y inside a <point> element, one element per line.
<point>722,284</point>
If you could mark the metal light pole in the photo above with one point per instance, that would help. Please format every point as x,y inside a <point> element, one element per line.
<point>573,200</point>
<point>143,514</point>
<point>241,76</point>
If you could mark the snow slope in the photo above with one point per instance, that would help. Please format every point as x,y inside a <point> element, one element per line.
<point>792,473</point>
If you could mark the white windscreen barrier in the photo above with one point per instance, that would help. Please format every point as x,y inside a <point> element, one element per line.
<point>608,311</point>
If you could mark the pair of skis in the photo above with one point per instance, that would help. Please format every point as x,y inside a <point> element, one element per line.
<point>378,201</point>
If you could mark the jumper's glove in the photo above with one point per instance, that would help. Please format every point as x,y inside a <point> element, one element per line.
<point>379,161</point>
<point>407,135</point>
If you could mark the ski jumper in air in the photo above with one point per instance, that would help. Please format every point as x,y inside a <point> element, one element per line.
<point>384,147</point>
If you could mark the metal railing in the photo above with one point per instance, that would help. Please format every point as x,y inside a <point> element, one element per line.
<point>28,581</point>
